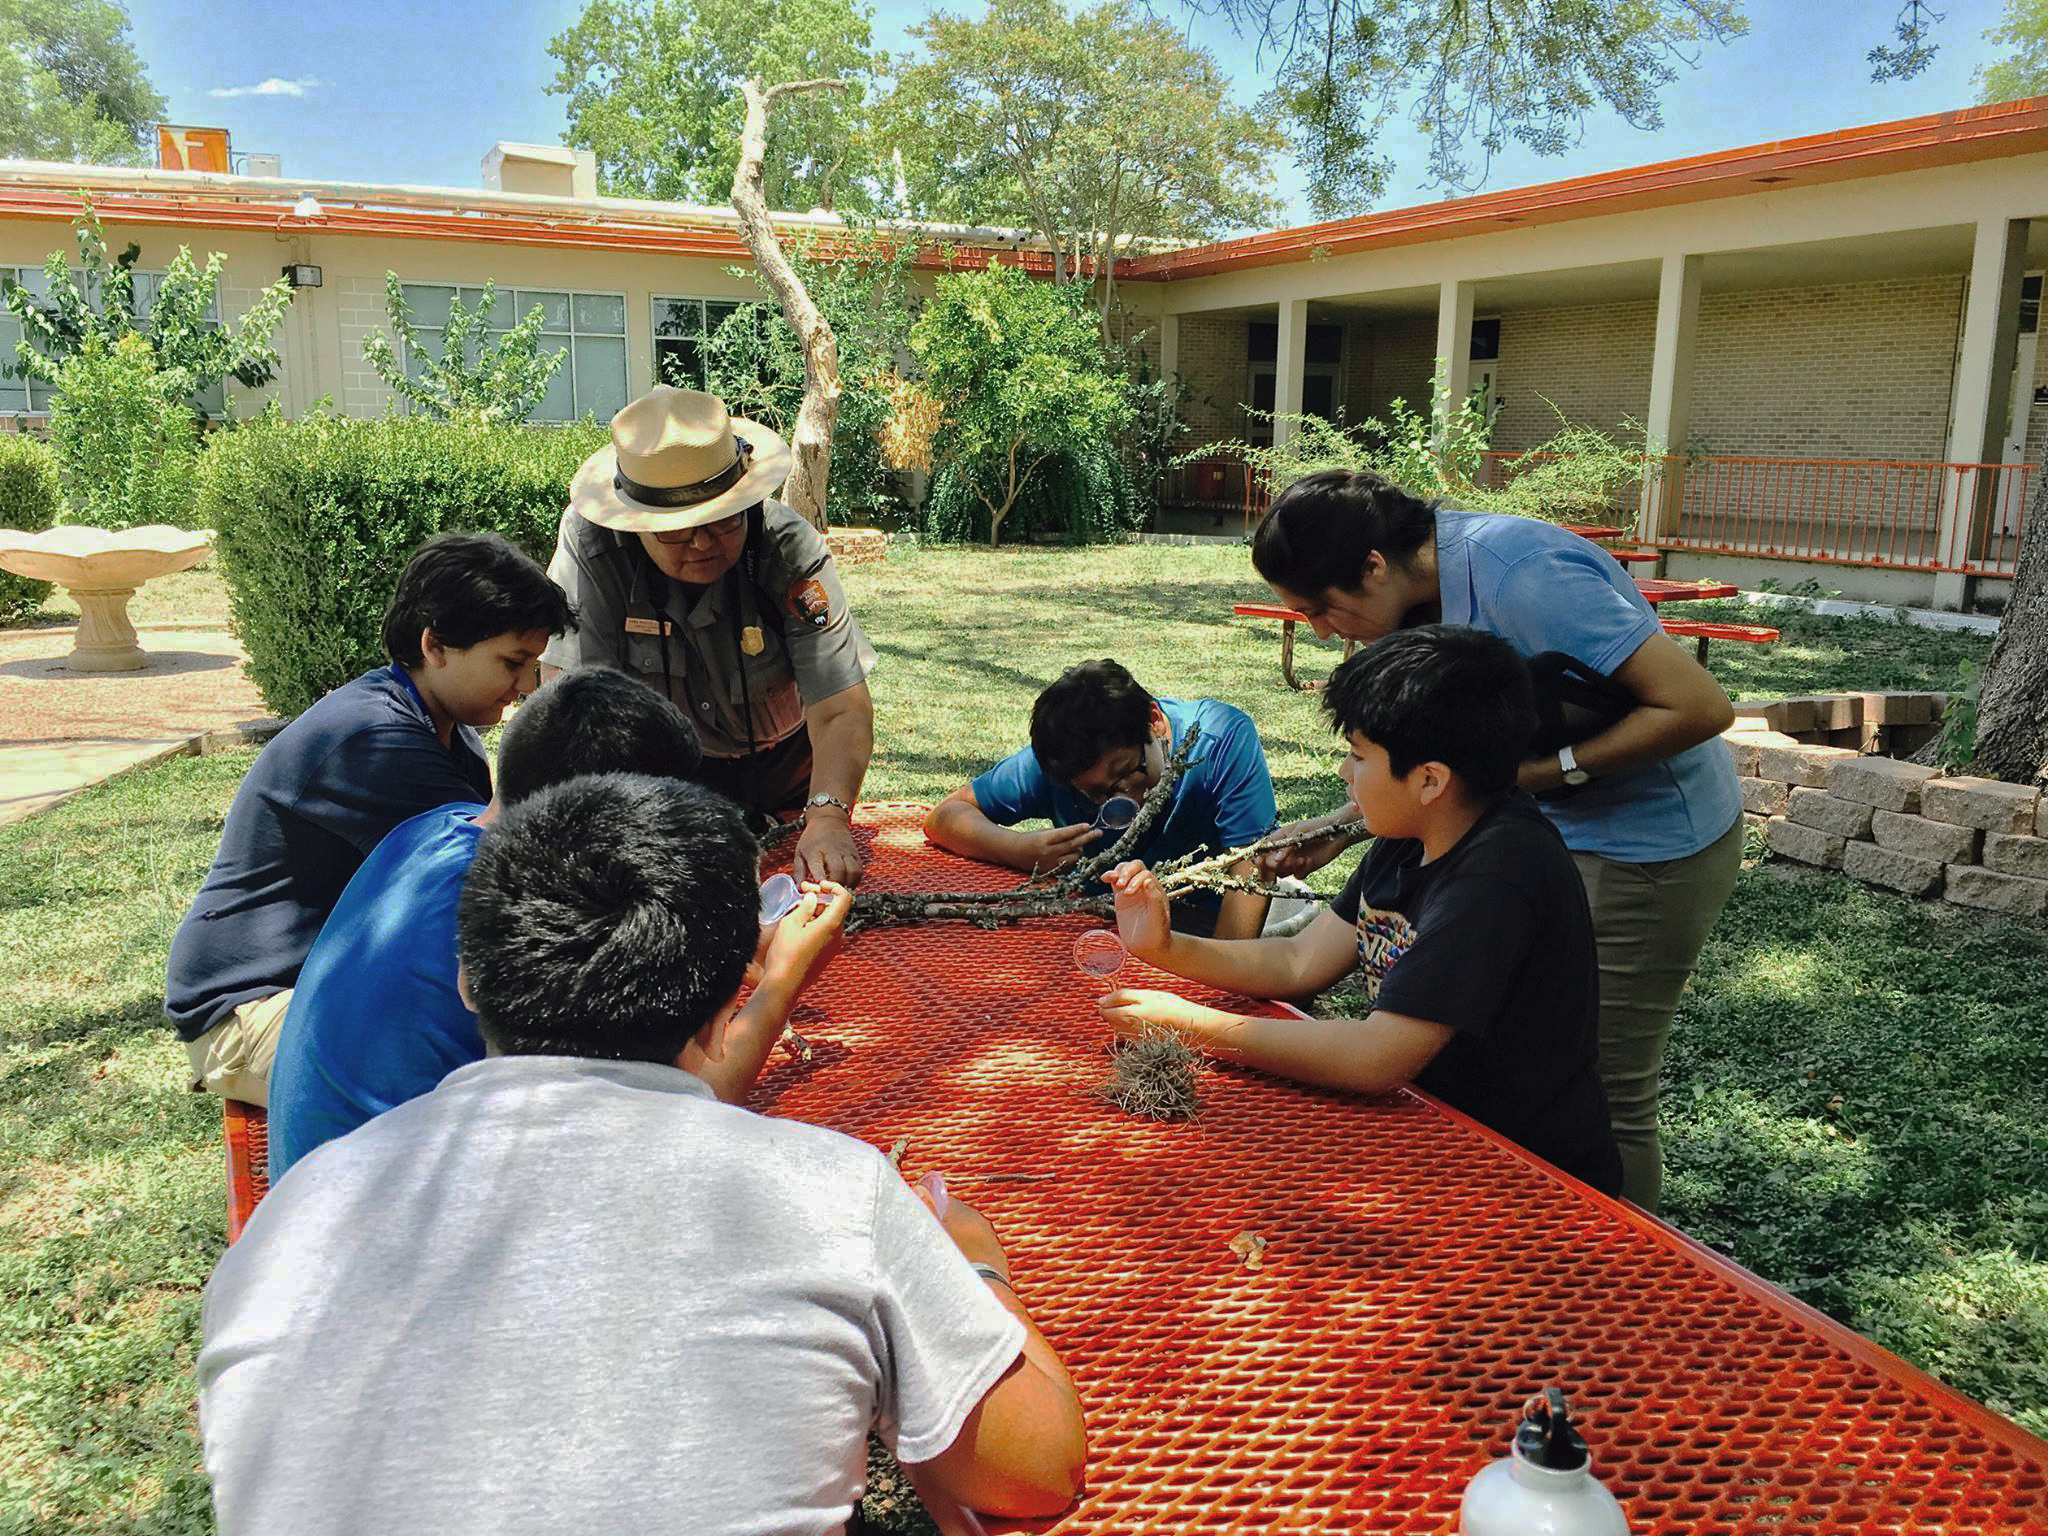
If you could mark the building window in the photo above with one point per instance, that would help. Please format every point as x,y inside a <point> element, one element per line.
<point>591,327</point>
<point>2030,304</point>
<point>680,325</point>
<point>33,396</point>
<point>1485,340</point>
<point>1322,373</point>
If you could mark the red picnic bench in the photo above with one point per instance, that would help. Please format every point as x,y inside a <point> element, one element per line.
<point>1288,619</point>
<point>1700,630</point>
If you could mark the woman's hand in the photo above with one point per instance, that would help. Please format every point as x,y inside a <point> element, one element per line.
<point>1341,829</point>
<point>1144,919</point>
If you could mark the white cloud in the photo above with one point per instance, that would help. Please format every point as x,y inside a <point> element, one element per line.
<point>271,87</point>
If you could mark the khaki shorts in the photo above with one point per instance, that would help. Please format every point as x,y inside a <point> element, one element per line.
<point>233,1058</point>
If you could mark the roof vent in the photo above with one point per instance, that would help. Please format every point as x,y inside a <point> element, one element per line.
<point>548,170</point>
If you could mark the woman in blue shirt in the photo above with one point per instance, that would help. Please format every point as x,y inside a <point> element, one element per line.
<point>1648,805</point>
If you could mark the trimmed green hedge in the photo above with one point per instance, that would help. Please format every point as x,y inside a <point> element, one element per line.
<point>317,517</point>
<point>30,501</point>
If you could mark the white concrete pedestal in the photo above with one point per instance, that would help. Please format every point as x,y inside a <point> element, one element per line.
<point>101,570</point>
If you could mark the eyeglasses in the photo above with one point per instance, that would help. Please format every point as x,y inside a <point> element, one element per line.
<point>705,533</point>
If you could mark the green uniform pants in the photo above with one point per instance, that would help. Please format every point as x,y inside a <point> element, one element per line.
<point>1650,922</point>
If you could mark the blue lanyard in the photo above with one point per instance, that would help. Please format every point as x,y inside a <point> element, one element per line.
<point>413,688</point>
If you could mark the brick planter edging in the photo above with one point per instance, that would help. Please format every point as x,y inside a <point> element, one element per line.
<point>1819,775</point>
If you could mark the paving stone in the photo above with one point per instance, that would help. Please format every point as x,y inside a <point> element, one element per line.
<point>2041,818</point>
<point>1818,808</point>
<point>1807,844</point>
<point>1926,839</point>
<point>1807,766</point>
<point>1901,708</point>
<point>1884,782</point>
<point>1746,751</point>
<point>2016,855</point>
<point>1986,888</point>
<point>1767,713</point>
<point>1890,868</point>
<point>1765,797</point>
<point>1990,804</point>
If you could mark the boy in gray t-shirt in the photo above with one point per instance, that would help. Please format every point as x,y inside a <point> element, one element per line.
<point>570,1290</point>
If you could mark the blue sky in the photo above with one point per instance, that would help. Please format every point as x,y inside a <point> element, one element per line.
<point>377,90</point>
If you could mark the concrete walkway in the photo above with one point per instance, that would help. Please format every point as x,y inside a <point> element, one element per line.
<point>62,730</point>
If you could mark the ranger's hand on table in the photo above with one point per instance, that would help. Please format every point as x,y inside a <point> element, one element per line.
<point>826,850</point>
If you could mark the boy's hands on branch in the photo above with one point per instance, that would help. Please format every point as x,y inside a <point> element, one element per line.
<point>1057,847</point>
<point>1144,920</point>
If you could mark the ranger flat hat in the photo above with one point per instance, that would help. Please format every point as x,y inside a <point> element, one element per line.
<point>677,460</point>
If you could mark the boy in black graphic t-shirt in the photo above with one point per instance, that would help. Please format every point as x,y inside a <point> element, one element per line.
<point>1466,918</point>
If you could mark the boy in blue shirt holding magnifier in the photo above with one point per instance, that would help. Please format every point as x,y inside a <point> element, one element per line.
<point>1096,735</point>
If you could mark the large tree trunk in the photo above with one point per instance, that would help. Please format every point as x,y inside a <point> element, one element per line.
<point>812,439</point>
<point>2012,706</point>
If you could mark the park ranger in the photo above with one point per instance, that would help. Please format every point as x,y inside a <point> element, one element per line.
<point>685,574</point>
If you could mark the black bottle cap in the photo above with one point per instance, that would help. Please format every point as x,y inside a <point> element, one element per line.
<point>1546,1437</point>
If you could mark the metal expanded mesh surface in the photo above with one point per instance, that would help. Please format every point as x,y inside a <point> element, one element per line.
<point>1420,1277</point>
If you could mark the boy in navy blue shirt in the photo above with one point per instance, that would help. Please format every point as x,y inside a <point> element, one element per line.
<point>469,617</point>
<point>1096,734</point>
<point>376,1018</point>
<point>1466,920</point>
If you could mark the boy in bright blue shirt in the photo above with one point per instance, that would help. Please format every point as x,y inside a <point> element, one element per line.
<point>376,1019</point>
<point>1096,734</point>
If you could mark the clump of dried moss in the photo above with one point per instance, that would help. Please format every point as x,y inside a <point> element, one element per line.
<point>1155,1075</point>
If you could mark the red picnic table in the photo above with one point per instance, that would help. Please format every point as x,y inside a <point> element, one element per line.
<point>1421,1277</point>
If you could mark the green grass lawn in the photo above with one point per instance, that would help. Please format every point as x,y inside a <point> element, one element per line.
<point>1855,1104</point>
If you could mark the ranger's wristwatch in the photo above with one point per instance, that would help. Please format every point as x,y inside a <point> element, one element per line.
<point>824,799</point>
<point>1574,775</point>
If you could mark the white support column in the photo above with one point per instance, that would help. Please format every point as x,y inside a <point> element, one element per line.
<point>1453,347</point>
<point>1983,385</point>
<point>1289,362</point>
<point>1169,346</point>
<point>1670,419</point>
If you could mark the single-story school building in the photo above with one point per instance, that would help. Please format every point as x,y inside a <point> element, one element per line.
<point>1831,340</point>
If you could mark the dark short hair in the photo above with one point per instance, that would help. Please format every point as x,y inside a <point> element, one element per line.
<point>1323,528</point>
<point>1439,693</point>
<point>594,720</point>
<point>608,916</point>
<point>467,587</point>
<point>1092,708</point>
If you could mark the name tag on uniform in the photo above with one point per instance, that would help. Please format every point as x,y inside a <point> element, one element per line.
<point>650,627</point>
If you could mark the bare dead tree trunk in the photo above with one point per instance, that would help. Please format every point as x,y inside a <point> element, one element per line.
<point>2012,705</point>
<point>811,442</point>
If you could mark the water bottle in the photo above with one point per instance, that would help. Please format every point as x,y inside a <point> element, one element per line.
<point>1546,1488</point>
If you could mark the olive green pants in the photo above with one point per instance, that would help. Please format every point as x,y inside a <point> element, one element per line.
<point>1650,922</point>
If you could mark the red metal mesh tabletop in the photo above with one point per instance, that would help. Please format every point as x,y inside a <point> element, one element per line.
<point>1421,1277</point>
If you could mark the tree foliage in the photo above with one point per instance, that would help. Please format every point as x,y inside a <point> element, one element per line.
<point>652,88</point>
<point>71,86</point>
<point>2024,72</point>
<point>1086,128</point>
<point>124,434</point>
<point>1020,370</point>
<point>755,362</point>
<point>470,374</point>
<point>191,352</point>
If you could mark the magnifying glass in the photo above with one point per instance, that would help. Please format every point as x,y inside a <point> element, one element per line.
<point>1116,815</point>
<point>1100,953</point>
<point>779,896</point>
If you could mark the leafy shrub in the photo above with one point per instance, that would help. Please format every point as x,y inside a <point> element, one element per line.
<point>29,501</point>
<point>127,440</point>
<point>1579,475</point>
<point>1083,495</point>
<point>317,517</point>
<point>505,380</point>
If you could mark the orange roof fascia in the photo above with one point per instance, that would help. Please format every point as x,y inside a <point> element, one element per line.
<point>1912,144</point>
<point>713,241</point>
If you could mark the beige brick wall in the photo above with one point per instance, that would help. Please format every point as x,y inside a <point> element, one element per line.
<point>1850,371</point>
<point>1214,359</point>
<point>1591,361</point>
<point>1403,360</point>
<point>362,312</point>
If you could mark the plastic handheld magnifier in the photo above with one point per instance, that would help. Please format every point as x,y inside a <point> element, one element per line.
<point>779,896</point>
<point>1117,813</point>
<point>1100,952</point>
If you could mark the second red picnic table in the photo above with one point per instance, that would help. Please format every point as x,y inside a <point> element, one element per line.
<point>1421,1276</point>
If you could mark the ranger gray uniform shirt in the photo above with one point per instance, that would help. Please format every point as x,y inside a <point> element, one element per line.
<point>564,1296</point>
<point>811,647</point>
